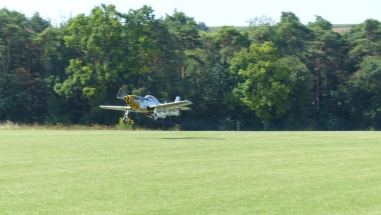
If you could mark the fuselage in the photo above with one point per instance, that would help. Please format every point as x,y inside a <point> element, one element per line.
<point>140,103</point>
<point>150,106</point>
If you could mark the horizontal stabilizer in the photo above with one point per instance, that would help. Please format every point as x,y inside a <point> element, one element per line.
<point>185,108</point>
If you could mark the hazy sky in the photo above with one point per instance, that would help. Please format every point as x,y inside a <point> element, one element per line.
<point>212,12</point>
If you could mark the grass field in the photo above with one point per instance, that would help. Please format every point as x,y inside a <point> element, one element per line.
<point>156,172</point>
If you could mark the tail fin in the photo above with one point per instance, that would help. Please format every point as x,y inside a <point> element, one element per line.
<point>177,99</point>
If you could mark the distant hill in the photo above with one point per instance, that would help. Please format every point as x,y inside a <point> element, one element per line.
<point>343,25</point>
<point>339,28</point>
<point>217,28</point>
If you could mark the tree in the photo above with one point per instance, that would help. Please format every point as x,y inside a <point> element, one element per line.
<point>202,26</point>
<point>210,81</point>
<point>23,87</point>
<point>231,40</point>
<point>300,116</point>
<point>268,84</point>
<point>365,93</point>
<point>13,34</point>
<point>291,36</point>
<point>98,38</point>
<point>185,31</point>
<point>365,40</point>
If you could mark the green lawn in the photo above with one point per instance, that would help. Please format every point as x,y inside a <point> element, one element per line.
<point>161,172</point>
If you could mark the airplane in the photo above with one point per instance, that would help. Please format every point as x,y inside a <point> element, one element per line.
<point>148,105</point>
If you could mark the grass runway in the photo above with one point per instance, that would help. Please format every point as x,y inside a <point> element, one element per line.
<point>162,172</point>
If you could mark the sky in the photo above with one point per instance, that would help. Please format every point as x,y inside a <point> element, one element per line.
<point>211,12</point>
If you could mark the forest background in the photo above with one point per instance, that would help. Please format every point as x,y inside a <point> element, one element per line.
<point>268,76</point>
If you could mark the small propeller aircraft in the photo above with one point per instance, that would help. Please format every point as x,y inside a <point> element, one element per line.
<point>148,105</point>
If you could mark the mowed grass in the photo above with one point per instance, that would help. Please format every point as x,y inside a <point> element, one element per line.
<point>161,172</point>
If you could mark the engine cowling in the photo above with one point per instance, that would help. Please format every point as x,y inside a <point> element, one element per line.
<point>130,100</point>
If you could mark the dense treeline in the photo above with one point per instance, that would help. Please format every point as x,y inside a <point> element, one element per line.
<point>273,76</point>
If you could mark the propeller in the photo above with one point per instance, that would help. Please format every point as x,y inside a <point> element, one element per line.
<point>122,92</point>
<point>129,99</point>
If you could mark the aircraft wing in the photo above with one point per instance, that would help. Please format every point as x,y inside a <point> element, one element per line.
<point>172,105</point>
<point>122,108</point>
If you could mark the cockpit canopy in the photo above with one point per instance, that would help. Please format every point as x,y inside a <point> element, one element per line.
<point>151,99</point>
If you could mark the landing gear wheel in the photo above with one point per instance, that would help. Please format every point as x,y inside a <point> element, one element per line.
<point>125,120</point>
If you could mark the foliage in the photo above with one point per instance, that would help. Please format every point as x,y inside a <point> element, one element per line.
<point>274,75</point>
<point>365,93</point>
<point>269,81</point>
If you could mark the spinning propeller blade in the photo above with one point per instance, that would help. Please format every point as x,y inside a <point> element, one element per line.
<point>122,92</point>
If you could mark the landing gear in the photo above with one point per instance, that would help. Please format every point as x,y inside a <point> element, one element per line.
<point>154,115</point>
<point>125,118</point>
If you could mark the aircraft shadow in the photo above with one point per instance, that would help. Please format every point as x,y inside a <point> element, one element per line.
<point>189,138</point>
